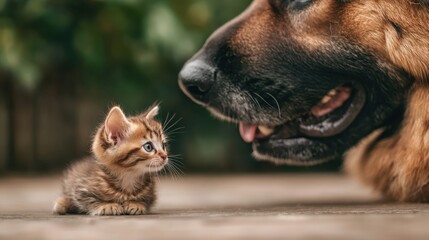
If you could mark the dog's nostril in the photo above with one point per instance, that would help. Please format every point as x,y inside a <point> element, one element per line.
<point>196,79</point>
<point>196,91</point>
<point>204,85</point>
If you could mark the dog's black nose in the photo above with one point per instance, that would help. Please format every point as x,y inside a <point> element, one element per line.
<point>196,79</point>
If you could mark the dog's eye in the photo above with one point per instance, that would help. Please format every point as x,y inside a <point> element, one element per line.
<point>297,4</point>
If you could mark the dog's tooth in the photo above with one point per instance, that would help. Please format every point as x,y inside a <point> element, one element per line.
<point>266,131</point>
<point>332,93</point>
<point>326,99</point>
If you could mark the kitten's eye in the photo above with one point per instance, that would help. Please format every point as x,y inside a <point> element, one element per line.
<point>164,145</point>
<point>148,147</point>
<point>297,4</point>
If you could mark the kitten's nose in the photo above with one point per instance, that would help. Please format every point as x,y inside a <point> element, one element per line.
<point>163,156</point>
<point>196,79</point>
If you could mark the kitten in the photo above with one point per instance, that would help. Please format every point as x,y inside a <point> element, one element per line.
<point>117,178</point>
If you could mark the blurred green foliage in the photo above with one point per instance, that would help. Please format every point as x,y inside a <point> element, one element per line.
<point>127,52</point>
<point>111,41</point>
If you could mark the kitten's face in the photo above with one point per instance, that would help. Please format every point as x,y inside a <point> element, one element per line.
<point>131,144</point>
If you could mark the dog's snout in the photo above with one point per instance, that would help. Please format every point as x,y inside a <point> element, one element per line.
<point>196,79</point>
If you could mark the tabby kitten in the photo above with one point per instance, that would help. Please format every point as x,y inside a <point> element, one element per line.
<point>118,178</point>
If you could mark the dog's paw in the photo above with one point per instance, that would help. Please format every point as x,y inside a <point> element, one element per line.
<point>108,209</point>
<point>135,208</point>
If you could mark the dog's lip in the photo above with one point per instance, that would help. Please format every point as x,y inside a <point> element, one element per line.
<point>349,104</point>
<point>329,118</point>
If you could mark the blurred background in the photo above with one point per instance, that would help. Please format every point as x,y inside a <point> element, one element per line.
<point>64,63</point>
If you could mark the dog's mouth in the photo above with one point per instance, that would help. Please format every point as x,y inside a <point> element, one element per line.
<point>331,116</point>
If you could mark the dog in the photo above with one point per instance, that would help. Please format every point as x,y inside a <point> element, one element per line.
<point>309,81</point>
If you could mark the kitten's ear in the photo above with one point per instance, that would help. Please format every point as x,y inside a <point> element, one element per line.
<point>116,125</point>
<point>152,112</point>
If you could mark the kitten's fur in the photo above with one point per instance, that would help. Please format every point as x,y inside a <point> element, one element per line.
<point>117,179</point>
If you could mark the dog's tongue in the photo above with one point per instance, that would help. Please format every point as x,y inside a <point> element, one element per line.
<point>248,132</point>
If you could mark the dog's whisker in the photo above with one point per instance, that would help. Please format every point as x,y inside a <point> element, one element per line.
<point>278,105</point>
<point>269,104</point>
<point>253,99</point>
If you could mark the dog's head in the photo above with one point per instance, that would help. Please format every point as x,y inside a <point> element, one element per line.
<point>306,79</point>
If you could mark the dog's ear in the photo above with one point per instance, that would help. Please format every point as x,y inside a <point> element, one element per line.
<point>398,42</point>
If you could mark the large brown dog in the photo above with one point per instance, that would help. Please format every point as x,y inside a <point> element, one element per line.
<point>308,80</point>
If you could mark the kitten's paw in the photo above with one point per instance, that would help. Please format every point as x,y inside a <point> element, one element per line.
<point>61,206</point>
<point>108,209</point>
<point>135,208</point>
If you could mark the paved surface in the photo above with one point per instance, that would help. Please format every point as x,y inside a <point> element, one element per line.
<point>222,207</point>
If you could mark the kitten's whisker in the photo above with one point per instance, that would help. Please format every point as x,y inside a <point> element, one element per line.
<point>177,162</point>
<point>168,138</point>
<point>150,166</point>
<point>174,169</point>
<point>165,120</point>
<point>177,170</point>
<point>175,131</point>
<point>177,165</point>
<point>152,162</point>
<point>175,155</point>
<point>168,122</point>
<point>172,172</point>
<point>163,171</point>
<point>173,124</point>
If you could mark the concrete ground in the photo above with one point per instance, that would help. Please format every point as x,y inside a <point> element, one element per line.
<point>222,207</point>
